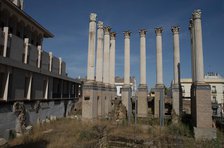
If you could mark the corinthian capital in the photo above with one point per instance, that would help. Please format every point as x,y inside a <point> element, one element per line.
<point>92,17</point>
<point>100,25</point>
<point>158,30</point>
<point>196,14</point>
<point>175,29</point>
<point>127,34</point>
<point>107,30</point>
<point>142,32</point>
<point>113,35</point>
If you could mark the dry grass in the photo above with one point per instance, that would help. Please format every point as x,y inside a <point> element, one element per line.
<point>74,133</point>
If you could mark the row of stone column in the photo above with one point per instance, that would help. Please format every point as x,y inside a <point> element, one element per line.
<point>105,59</point>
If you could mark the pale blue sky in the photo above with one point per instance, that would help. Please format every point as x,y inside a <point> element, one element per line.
<point>68,21</point>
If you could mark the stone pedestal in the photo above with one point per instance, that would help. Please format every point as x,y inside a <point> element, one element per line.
<point>89,100</point>
<point>176,99</point>
<point>159,99</point>
<point>126,98</point>
<point>142,101</point>
<point>201,111</point>
<point>100,101</point>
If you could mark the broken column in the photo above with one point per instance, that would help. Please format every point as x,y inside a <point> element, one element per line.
<point>126,89</point>
<point>142,89</point>
<point>89,100</point>
<point>176,96</point>
<point>159,88</point>
<point>201,101</point>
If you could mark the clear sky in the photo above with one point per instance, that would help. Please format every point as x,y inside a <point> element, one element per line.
<point>68,20</point>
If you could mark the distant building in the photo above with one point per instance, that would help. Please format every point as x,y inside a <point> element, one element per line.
<point>216,82</point>
<point>119,82</point>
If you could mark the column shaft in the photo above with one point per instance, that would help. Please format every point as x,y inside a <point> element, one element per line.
<point>142,57</point>
<point>198,47</point>
<point>99,60</point>
<point>106,68</point>
<point>29,88</point>
<point>91,47</point>
<point>112,58</point>
<point>159,62</point>
<point>127,58</point>
<point>5,95</point>
<point>193,70</point>
<point>176,50</point>
<point>50,61</point>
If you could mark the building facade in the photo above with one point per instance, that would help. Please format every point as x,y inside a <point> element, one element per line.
<point>216,83</point>
<point>29,75</point>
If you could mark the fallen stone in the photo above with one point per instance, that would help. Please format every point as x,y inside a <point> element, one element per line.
<point>3,142</point>
<point>47,131</point>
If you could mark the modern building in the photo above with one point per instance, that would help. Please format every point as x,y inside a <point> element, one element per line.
<point>30,76</point>
<point>119,82</point>
<point>216,82</point>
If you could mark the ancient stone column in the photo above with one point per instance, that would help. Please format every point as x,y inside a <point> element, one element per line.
<point>201,109</point>
<point>106,62</point>
<point>142,57</point>
<point>142,89</point>
<point>126,90</point>
<point>127,57</point>
<point>198,47</point>
<point>99,59</point>
<point>91,47</point>
<point>112,58</point>
<point>193,70</point>
<point>176,50</point>
<point>176,68</point>
<point>159,90</point>
<point>159,56</point>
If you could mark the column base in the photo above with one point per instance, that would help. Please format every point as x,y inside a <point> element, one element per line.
<point>204,133</point>
<point>142,107</point>
<point>159,90</point>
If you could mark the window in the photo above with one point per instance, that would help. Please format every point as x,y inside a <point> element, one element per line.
<point>213,89</point>
<point>214,99</point>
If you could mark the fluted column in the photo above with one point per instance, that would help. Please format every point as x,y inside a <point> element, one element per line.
<point>159,56</point>
<point>142,33</point>
<point>199,63</point>
<point>176,50</point>
<point>106,67</point>
<point>99,58</point>
<point>91,47</point>
<point>112,57</point>
<point>127,57</point>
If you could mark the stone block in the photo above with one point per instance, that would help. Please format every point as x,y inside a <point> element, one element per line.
<point>204,133</point>
<point>176,100</point>
<point>142,101</point>
<point>159,92</point>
